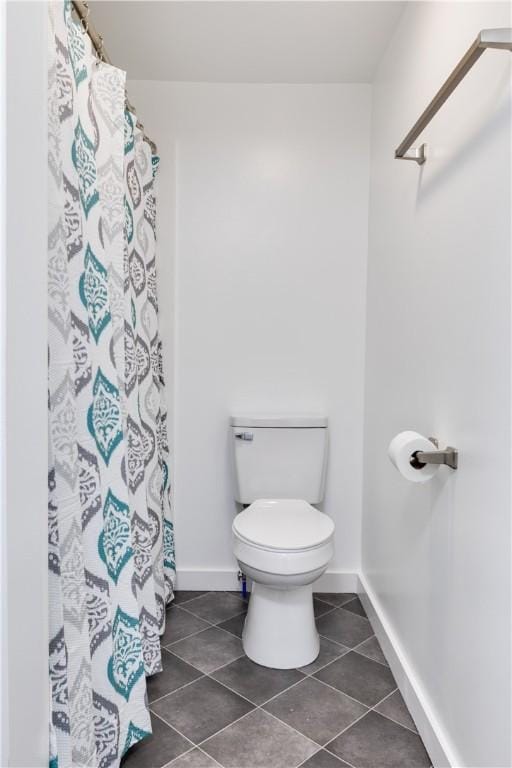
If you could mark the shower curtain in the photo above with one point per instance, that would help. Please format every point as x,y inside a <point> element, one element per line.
<point>110,533</point>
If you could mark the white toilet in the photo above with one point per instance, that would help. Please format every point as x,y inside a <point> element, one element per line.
<point>281,542</point>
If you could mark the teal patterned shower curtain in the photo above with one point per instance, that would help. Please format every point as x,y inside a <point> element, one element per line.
<point>110,532</point>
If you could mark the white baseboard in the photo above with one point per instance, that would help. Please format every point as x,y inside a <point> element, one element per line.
<point>337,581</point>
<point>201,579</point>
<point>437,743</point>
<point>204,579</point>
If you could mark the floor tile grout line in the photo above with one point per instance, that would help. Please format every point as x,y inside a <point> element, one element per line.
<point>397,723</point>
<point>332,687</point>
<point>164,648</point>
<point>233,634</point>
<point>325,637</point>
<point>343,730</point>
<point>392,718</point>
<point>307,758</point>
<point>187,661</point>
<point>174,729</point>
<point>173,653</point>
<point>312,741</point>
<point>290,727</point>
<point>359,601</point>
<point>253,705</point>
<point>184,754</point>
<point>198,616</point>
<point>283,722</point>
<point>285,690</point>
<point>329,752</point>
<point>181,687</point>
<point>189,599</point>
<point>199,631</point>
<point>240,613</point>
<point>178,757</point>
<point>365,641</point>
<point>346,646</point>
<point>352,613</point>
<point>364,618</point>
<point>210,756</point>
<point>215,626</point>
<point>369,709</point>
<point>336,658</point>
<point>217,669</point>
<point>208,592</point>
<point>258,706</point>
<point>168,646</point>
<point>196,679</point>
<point>326,613</point>
<point>200,743</point>
<point>386,697</point>
<point>326,600</point>
<point>382,664</point>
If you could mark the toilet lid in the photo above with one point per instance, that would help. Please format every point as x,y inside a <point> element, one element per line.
<point>291,524</point>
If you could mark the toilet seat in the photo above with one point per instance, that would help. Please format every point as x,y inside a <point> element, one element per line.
<point>286,537</point>
<point>283,525</point>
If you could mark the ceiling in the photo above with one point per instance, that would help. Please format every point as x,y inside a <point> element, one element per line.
<point>291,41</point>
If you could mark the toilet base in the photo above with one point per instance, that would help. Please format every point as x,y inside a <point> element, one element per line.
<point>280,630</point>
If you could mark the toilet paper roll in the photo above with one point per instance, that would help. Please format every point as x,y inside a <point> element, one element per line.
<point>400,451</point>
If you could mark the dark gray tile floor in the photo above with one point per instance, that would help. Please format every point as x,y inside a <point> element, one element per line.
<point>211,706</point>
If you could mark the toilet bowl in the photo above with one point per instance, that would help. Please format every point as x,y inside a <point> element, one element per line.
<point>284,546</point>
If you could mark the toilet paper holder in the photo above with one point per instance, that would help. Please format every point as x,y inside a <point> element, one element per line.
<point>448,456</point>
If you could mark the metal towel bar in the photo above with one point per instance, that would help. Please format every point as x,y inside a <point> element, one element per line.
<point>488,38</point>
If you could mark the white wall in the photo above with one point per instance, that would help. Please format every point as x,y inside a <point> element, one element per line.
<point>24,365</point>
<point>437,557</point>
<point>271,241</point>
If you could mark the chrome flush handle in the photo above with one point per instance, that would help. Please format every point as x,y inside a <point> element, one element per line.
<point>244,436</point>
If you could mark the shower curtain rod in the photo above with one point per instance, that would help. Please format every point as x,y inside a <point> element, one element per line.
<point>82,11</point>
<point>488,38</point>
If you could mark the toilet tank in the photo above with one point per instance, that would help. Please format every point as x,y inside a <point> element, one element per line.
<point>279,457</point>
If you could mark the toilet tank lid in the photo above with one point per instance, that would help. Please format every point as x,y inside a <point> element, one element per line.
<point>290,421</point>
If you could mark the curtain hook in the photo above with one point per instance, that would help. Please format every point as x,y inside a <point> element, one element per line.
<point>84,21</point>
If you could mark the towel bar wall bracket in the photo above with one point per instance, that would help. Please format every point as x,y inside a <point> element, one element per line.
<point>488,38</point>
<point>418,154</point>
